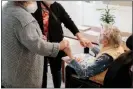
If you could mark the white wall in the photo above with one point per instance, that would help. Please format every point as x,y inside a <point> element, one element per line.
<point>123,16</point>
<point>86,14</point>
<point>73,8</point>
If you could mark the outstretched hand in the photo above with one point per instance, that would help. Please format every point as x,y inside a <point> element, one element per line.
<point>83,41</point>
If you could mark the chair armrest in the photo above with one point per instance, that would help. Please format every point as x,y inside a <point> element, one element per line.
<point>95,43</point>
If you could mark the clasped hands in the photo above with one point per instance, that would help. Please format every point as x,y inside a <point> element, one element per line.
<point>64,46</point>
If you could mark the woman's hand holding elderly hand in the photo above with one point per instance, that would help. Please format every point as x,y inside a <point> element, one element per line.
<point>83,41</point>
<point>64,44</point>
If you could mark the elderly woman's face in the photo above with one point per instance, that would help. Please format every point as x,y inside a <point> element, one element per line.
<point>103,39</point>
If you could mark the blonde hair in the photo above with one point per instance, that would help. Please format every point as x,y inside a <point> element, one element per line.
<point>113,35</point>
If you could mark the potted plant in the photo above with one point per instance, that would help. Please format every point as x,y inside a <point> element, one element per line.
<point>106,17</point>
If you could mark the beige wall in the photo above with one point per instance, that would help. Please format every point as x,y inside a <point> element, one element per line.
<point>121,3</point>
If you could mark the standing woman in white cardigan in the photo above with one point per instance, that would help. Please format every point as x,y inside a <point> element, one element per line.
<point>23,46</point>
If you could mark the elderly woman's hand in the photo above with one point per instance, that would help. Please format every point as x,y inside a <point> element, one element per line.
<point>83,41</point>
<point>64,44</point>
<point>69,54</point>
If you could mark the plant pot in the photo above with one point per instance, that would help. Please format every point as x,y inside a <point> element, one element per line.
<point>105,25</point>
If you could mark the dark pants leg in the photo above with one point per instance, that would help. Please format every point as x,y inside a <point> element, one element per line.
<point>55,65</point>
<point>44,84</point>
<point>69,72</point>
<point>56,75</point>
<point>72,82</point>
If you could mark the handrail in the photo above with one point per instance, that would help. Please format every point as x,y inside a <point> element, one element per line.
<point>77,39</point>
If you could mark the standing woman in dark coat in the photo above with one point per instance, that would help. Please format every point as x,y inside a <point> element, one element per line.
<point>50,15</point>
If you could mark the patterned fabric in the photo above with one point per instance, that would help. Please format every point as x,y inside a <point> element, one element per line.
<point>22,47</point>
<point>100,65</point>
<point>45,14</point>
<point>97,71</point>
<point>113,52</point>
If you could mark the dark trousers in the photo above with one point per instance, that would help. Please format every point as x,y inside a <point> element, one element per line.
<point>72,82</point>
<point>55,66</point>
<point>69,71</point>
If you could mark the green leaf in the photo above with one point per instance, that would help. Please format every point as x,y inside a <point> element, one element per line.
<point>106,16</point>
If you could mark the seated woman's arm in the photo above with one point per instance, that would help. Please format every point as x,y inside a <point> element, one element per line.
<point>100,65</point>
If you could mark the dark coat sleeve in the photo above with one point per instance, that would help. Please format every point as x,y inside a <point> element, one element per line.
<point>65,18</point>
<point>101,64</point>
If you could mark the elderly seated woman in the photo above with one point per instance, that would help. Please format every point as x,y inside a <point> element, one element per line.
<point>110,49</point>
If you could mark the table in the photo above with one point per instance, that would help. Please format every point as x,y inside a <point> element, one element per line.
<point>92,37</point>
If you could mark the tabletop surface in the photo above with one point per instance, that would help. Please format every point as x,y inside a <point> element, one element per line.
<point>93,37</point>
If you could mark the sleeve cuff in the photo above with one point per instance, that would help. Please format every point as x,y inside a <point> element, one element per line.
<point>55,50</point>
<point>73,62</point>
<point>76,32</point>
<point>95,50</point>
